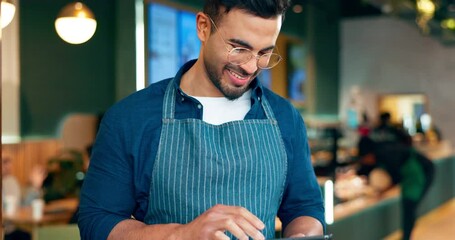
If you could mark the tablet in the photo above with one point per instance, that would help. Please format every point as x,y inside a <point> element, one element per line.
<point>319,237</point>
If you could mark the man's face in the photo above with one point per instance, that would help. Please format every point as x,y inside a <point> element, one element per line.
<point>238,29</point>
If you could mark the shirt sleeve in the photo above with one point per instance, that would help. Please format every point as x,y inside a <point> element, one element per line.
<point>302,195</point>
<point>107,195</point>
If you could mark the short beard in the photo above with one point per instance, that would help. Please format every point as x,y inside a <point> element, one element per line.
<point>229,92</point>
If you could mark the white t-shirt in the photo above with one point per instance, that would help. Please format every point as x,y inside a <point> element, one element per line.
<point>219,110</point>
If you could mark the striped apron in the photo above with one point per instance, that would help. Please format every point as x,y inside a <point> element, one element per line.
<point>198,165</point>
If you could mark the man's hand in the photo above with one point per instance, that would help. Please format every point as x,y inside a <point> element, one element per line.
<point>214,223</point>
<point>37,176</point>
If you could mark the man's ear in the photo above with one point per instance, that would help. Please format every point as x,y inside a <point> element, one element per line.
<point>203,25</point>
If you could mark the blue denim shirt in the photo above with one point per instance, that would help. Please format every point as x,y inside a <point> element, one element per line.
<point>117,183</point>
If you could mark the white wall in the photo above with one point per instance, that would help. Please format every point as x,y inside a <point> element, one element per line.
<point>10,79</point>
<point>387,55</point>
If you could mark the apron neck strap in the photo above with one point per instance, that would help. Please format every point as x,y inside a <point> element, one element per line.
<point>169,101</point>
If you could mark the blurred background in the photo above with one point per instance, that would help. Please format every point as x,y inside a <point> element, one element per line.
<point>345,63</point>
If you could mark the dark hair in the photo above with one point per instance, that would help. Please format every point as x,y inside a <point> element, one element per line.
<point>260,8</point>
<point>384,117</point>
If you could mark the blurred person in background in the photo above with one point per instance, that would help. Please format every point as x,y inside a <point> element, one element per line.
<point>34,188</point>
<point>10,184</point>
<point>11,189</point>
<point>364,127</point>
<point>405,166</point>
<point>64,175</point>
<point>386,132</point>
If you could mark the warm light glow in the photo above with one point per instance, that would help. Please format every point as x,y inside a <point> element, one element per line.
<point>426,7</point>
<point>448,23</point>
<point>75,24</point>
<point>7,13</point>
<point>297,8</point>
<point>75,30</point>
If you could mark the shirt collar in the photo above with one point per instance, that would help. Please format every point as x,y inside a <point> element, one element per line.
<point>256,86</point>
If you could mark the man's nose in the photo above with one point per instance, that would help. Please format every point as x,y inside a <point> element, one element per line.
<point>251,66</point>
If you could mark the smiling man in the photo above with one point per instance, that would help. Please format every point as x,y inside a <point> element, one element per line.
<point>210,153</point>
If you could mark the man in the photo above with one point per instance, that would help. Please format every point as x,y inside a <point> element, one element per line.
<point>405,166</point>
<point>386,132</point>
<point>208,154</point>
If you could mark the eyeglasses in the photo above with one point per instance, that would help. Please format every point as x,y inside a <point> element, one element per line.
<point>241,55</point>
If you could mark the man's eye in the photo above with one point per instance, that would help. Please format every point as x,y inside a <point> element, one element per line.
<point>240,50</point>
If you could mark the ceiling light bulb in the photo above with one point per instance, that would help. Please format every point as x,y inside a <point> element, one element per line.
<point>7,12</point>
<point>426,7</point>
<point>75,23</point>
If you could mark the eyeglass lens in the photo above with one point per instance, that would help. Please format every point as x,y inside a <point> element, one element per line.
<point>240,56</point>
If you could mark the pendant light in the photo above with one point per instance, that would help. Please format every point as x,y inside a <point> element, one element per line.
<point>7,12</point>
<point>425,12</point>
<point>75,23</point>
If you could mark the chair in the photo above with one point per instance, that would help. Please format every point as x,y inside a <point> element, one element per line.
<point>78,130</point>
<point>57,232</point>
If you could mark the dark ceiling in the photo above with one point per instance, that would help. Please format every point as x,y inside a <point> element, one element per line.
<point>358,8</point>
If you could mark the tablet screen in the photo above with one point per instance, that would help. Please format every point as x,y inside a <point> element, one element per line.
<point>320,237</point>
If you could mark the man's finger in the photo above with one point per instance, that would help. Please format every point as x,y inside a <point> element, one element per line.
<point>219,235</point>
<point>230,225</point>
<point>249,229</point>
<point>252,219</point>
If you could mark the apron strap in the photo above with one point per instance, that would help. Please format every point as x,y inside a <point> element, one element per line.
<point>169,101</point>
<point>267,109</point>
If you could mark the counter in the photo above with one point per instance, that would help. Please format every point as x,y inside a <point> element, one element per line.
<point>376,219</point>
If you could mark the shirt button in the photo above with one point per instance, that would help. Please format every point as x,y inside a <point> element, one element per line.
<point>199,106</point>
<point>259,99</point>
<point>183,99</point>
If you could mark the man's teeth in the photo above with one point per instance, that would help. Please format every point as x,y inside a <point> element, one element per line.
<point>236,75</point>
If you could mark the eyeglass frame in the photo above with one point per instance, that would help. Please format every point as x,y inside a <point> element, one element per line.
<point>256,56</point>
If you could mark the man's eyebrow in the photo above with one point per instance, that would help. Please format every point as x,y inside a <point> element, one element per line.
<point>247,45</point>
